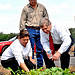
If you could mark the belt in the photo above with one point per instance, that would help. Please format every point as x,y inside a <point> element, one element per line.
<point>36,28</point>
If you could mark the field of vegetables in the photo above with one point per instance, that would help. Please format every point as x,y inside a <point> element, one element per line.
<point>51,71</point>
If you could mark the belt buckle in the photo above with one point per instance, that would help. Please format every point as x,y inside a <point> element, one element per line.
<point>35,28</point>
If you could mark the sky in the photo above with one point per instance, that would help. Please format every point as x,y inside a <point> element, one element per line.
<point>60,12</point>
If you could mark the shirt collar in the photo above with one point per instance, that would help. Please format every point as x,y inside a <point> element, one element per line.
<point>52,29</point>
<point>31,6</point>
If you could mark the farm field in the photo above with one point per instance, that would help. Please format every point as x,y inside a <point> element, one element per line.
<point>4,71</point>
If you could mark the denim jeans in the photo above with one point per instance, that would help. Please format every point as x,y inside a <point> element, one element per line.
<point>35,39</point>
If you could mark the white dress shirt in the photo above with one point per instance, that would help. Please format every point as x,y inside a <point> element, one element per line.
<point>17,50</point>
<point>60,35</point>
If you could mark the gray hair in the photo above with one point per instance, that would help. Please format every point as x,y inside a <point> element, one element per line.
<point>45,21</point>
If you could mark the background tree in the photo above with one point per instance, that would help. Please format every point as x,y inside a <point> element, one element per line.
<point>72,30</point>
<point>5,37</point>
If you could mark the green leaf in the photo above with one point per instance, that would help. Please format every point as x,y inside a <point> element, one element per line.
<point>11,70</point>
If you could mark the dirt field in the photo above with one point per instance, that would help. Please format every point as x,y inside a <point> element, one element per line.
<point>4,71</point>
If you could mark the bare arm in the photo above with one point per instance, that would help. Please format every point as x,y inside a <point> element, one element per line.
<point>32,60</point>
<point>24,67</point>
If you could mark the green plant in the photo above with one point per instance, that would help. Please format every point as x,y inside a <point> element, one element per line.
<point>51,71</point>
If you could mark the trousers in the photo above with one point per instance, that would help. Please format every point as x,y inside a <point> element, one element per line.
<point>35,39</point>
<point>13,64</point>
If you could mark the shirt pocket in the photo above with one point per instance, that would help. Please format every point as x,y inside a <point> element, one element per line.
<point>30,15</point>
<point>40,13</point>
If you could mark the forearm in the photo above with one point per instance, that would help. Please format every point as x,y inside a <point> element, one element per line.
<point>24,67</point>
<point>30,57</point>
<point>32,60</point>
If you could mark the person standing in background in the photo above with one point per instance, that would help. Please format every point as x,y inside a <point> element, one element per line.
<point>30,17</point>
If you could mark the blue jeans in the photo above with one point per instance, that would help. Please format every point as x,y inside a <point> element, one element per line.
<point>35,38</point>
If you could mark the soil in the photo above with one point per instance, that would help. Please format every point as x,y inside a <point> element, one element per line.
<point>4,71</point>
<point>72,68</point>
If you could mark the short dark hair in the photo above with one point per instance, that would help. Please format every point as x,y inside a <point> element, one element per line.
<point>24,33</point>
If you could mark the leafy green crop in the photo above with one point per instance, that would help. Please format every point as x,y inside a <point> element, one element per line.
<point>51,71</point>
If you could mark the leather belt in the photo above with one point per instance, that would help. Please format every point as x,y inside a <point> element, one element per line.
<point>36,28</point>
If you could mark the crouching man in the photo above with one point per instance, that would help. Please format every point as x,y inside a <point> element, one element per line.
<point>16,54</point>
<point>62,41</point>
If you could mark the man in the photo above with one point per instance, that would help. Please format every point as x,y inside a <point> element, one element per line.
<point>16,54</point>
<point>30,17</point>
<point>62,42</point>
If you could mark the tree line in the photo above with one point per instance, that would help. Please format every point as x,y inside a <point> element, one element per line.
<point>72,31</point>
<point>5,37</point>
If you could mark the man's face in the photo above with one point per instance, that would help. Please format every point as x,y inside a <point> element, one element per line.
<point>33,2</point>
<point>46,29</point>
<point>24,41</point>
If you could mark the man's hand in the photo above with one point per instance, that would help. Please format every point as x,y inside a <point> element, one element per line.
<point>49,55</point>
<point>56,56</point>
<point>32,60</point>
<point>24,67</point>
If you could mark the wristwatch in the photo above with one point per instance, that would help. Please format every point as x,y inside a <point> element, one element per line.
<point>49,51</point>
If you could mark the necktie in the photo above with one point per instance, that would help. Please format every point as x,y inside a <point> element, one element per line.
<point>51,44</point>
